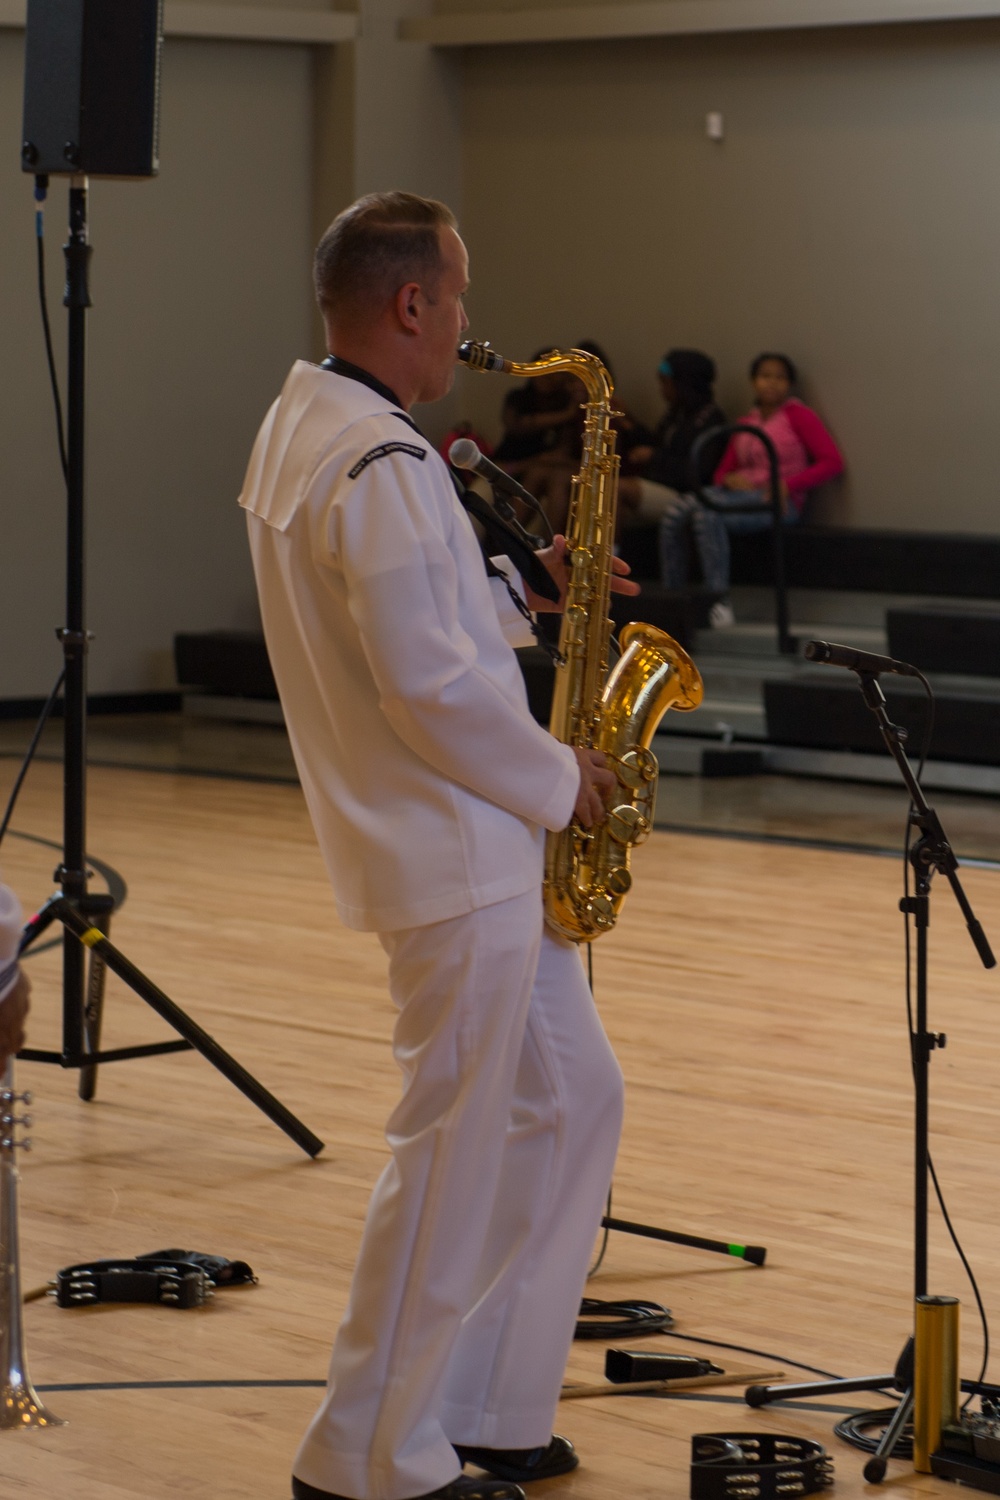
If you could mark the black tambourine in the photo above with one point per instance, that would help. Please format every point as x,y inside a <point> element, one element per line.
<point>756,1466</point>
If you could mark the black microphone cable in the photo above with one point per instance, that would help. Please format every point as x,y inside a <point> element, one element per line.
<point>41,193</point>
<point>30,754</point>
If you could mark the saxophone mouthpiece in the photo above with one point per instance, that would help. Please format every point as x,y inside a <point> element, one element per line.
<point>482,357</point>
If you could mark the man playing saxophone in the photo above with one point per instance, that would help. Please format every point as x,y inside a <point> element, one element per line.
<point>430,788</point>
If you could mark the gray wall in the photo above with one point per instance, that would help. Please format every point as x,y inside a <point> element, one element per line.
<point>200,284</point>
<point>850,217</point>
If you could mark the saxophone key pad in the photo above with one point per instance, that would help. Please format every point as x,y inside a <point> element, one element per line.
<point>631,771</point>
<point>626,824</point>
<point>638,767</point>
<point>601,911</point>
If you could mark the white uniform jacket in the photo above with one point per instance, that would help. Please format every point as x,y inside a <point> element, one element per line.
<point>428,781</point>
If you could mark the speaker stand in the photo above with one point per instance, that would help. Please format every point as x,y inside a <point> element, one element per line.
<point>75,907</point>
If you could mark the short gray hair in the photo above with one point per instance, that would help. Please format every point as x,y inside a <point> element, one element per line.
<point>376,246</point>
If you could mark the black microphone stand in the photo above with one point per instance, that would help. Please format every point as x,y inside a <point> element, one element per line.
<point>931,853</point>
<point>77,909</point>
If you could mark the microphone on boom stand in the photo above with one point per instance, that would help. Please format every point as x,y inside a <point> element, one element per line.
<point>465,454</point>
<point>856,661</point>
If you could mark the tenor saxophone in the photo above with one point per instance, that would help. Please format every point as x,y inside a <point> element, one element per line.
<point>614,710</point>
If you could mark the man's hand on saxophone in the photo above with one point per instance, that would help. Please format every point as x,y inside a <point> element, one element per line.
<point>554,559</point>
<point>596,781</point>
<point>596,785</point>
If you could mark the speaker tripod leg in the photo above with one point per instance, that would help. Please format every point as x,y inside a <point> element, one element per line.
<point>93,1014</point>
<point>99,908</point>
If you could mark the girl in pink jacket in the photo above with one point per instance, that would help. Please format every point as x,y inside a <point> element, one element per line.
<point>807,457</point>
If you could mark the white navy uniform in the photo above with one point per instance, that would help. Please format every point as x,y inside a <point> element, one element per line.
<point>430,787</point>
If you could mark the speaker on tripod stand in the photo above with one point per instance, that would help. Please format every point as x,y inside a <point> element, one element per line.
<point>91,108</point>
<point>92,88</point>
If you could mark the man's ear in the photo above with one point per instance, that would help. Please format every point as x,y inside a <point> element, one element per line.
<point>409,306</point>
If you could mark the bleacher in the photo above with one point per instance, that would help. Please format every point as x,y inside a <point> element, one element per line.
<point>932,599</point>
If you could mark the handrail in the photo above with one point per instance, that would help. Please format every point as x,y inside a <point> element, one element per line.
<point>786,642</point>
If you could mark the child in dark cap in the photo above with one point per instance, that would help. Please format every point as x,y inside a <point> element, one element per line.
<point>659,485</point>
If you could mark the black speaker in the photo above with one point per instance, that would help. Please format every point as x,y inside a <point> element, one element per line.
<point>92,87</point>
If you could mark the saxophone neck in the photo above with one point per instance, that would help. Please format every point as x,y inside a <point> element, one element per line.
<point>587,368</point>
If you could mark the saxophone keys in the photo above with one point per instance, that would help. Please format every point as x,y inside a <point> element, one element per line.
<point>619,881</point>
<point>600,909</point>
<point>626,824</point>
<point>637,768</point>
<point>574,625</point>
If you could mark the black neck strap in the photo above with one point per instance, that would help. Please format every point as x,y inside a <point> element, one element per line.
<point>338,366</point>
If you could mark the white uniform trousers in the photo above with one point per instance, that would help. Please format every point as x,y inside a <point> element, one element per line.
<point>479,1232</point>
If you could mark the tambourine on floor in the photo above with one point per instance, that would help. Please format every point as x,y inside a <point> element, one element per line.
<point>753,993</point>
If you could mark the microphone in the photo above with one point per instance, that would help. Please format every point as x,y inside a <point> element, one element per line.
<point>465,454</point>
<point>856,661</point>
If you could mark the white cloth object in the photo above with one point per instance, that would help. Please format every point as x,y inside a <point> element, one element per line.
<point>655,502</point>
<point>428,782</point>
<point>721,615</point>
<point>478,1236</point>
<point>11,923</point>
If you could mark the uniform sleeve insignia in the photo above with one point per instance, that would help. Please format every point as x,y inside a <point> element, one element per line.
<point>382,451</point>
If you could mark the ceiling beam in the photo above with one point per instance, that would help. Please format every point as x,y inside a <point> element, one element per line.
<point>239,23</point>
<point>597,22</point>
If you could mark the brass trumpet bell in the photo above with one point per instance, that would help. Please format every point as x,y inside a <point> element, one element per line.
<point>20,1404</point>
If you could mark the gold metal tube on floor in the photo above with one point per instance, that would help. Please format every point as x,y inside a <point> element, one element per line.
<point>935,1375</point>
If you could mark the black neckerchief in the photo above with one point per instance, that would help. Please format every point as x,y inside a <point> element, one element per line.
<point>338,366</point>
<point>499,533</point>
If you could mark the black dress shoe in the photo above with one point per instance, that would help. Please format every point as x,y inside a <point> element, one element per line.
<point>522,1465</point>
<point>459,1489</point>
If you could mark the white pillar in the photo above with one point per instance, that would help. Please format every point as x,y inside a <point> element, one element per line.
<point>387,117</point>
<point>387,114</point>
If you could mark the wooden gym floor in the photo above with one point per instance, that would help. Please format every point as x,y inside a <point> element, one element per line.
<point>754,994</point>
<point>785,807</point>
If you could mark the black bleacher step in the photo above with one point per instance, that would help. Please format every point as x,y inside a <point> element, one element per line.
<point>956,638</point>
<point>818,714</point>
<point>539,675</point>
<point>959,565</point>
<point>229,663</point>
<point>235,663</point>
<point>892,562</point>
<point>680,612</point>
